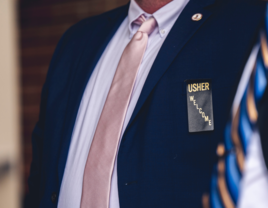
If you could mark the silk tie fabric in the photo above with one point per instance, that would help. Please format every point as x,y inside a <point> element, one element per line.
<point>102,154</point>
<point>229,170</point>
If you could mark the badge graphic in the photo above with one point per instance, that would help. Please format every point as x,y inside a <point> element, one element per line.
<point>199,105</point>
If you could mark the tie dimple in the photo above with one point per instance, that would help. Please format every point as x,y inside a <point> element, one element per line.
<point>101,157</point>
<point>141,19</point>
<point>147,26</point>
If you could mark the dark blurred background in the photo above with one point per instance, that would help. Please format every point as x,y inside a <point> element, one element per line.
<point>41,24</point>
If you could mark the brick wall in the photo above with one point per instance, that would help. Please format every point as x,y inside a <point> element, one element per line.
<point>42,23</point>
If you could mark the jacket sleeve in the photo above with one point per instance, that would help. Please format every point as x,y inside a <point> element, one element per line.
<point>65,44</point>
<point>33,197</point>
<point>34,181</point>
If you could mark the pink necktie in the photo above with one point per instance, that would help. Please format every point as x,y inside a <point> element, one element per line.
<point>102,154</point>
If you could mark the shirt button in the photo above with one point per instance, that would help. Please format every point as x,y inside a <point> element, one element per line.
<point>54,198</point>
<point>162,32</point>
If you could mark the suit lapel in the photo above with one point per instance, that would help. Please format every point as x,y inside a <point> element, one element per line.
<point>81,76</point>
<point>183,29</point>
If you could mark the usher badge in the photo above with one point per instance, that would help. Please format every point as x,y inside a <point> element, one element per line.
<point>199,105</point>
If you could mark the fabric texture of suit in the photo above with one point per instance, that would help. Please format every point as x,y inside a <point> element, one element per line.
<point>160,164</point>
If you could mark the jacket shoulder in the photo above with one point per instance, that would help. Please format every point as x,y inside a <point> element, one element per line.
<point>75,38</point>
<point>92,22</point>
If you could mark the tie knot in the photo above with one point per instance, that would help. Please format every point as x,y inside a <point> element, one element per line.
<point>147,26</point>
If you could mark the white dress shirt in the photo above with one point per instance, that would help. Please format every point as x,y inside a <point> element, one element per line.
<point>96,92</point>
<point>254,183</point>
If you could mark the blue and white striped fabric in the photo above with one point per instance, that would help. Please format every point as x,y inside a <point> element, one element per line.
<point>228,172</point>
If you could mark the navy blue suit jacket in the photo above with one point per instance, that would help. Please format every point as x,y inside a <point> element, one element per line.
<point>160,164</point>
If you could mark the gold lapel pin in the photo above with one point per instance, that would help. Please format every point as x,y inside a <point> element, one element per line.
<point>197,17</point>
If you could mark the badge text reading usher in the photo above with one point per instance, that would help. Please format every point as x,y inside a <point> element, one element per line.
<point>199,105</point>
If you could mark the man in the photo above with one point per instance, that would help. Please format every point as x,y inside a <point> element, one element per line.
<point>127,118</point>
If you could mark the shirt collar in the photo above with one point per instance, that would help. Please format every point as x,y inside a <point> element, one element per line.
<point>165,16</point>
